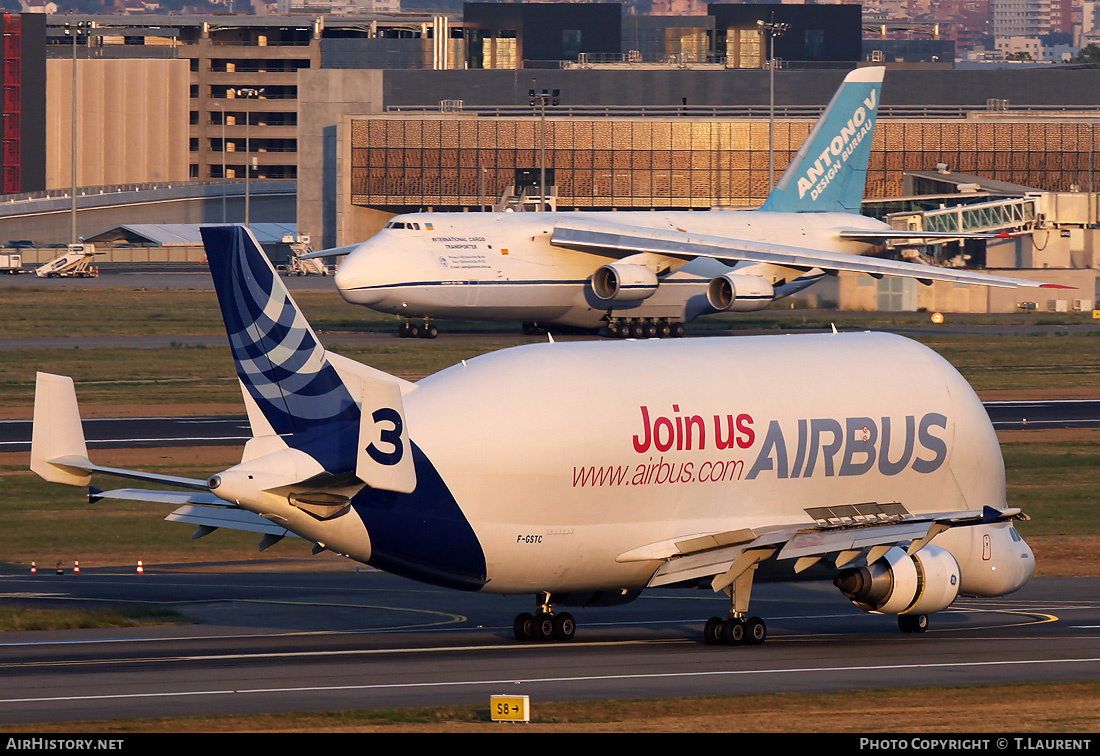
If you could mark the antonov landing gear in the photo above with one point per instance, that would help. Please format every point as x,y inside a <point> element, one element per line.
<point>644,328</point>
<point>410,330</point>
<point>545,624</point>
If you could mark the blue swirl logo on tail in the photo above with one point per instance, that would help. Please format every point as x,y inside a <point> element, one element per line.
<point>278,357</point>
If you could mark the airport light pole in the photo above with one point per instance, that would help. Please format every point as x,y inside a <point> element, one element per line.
<point>249,94</point>
<point>542,99</point>
<point>771,30</point>
<point>73,30</point>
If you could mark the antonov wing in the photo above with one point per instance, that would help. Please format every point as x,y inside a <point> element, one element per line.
<point>843,534</point>
<point>617,241</point>
<point>347,249</point>
<point>888,236</point>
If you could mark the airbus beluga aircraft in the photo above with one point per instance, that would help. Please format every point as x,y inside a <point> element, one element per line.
<point>643,464</point>
<point>646,273</point>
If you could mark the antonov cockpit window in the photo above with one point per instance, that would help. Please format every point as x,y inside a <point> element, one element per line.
<point>402,224</point>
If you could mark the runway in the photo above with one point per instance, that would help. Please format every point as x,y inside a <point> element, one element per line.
<point>108,433</point>
<point>337,640</point>
<point>342,638</point>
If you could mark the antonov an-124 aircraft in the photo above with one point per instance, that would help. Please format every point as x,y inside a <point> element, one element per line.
<point>642,273</point>
<point>583,473</point>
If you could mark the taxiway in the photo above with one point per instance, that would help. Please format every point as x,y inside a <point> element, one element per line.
<point>296,641</point>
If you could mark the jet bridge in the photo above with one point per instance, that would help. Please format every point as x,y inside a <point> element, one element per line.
<point>1016,214</point>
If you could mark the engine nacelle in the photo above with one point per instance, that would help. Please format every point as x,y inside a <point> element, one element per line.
<point>624,282</point>
<point>732,292</point>
<point>898,583</point>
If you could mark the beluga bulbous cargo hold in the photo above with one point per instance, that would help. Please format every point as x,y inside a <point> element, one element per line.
<point>584,473</point>
<point>647,273</point>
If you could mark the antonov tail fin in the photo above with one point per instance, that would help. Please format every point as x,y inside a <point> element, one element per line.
<point>829,171</point>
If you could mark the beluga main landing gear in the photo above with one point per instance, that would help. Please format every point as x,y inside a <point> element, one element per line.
<point>735,628</point>
<point>545,624</point>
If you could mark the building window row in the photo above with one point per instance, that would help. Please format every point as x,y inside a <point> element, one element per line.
<point>437,162</point>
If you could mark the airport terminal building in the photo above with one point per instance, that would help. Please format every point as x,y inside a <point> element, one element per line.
<point>375,115</point>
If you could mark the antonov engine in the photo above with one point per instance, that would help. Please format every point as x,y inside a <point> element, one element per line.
<point>925,582</point>
<point>733,292</point>
<point>624,282</point>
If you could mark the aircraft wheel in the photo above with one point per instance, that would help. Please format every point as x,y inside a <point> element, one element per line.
<point>677,330</point>
<point>913,623</point>
<point>712,632</point>
<point>564,626</point>
<point>430,332</point>
<point>733,631</point>
<point>756,632</point>
<point>524,626</point>
<point>414,331</point>
<point>664,330</point>
<point>543,626</point>
<point>637,330</point>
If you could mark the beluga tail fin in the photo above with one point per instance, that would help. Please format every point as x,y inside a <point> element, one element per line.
<point>278,357</point>
<point>348,418</point>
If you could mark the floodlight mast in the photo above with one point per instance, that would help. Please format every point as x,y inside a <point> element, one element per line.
<point>542,99</point>
<point>771,29</point>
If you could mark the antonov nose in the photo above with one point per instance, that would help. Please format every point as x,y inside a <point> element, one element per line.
<point>355,281</point>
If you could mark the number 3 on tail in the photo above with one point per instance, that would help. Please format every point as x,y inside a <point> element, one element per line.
<point>385,452</point>
<point>391,436</point>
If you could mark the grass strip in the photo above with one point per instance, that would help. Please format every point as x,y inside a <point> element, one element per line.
<point>15,618</point>
<point>1011,709</point>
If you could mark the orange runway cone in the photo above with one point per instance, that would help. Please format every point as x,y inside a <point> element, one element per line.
<point>76,567</point>
<point>34,569</point>
<point>140,569</point>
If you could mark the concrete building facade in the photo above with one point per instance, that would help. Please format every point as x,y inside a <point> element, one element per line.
<point>132,122</point>
<point>372,151</point>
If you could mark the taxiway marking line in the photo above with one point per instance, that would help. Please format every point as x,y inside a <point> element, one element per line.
<point>538,680</point>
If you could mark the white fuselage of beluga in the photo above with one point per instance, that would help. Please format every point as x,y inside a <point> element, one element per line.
<point>503,266</point>
<point>614,470</point>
